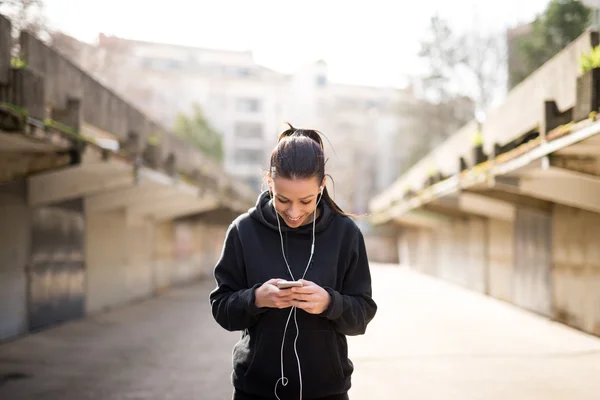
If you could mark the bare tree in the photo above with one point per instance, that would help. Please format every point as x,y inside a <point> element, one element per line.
<point>483,60</point>
<point>463,75</point>
<point>443,55</point>
<point>25,15</point>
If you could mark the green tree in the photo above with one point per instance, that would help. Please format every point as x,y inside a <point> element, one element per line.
<point>561,23</point>
<point>198,131</point>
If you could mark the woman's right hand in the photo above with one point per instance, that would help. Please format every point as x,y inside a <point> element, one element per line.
<point>269,295</point>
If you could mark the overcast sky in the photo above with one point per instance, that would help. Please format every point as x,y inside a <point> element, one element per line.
<point>370,42</point>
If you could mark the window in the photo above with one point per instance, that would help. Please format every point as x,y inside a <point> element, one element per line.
<point>243,72</point>
<point>372,104</point>
<point>248,105</point>
<point>248,156</point>
<point>321,80</point>
<point>161,64</point>
<point>248,130</point>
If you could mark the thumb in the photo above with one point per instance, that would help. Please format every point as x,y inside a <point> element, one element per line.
<point>273,281</point>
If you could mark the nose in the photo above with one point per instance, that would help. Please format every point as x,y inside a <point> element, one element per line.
<point>293,212</point>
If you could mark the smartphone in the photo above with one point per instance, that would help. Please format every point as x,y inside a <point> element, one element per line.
<point>288,284</point>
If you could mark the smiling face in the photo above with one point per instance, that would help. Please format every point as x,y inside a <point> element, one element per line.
<point>295,199</point>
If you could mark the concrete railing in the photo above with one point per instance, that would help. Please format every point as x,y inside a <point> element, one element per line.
<point>523,108</point>
<point>5,47</point>
<point>49,81</point>
<point>524,111</point>
<point>18,87</point>
<point>442,162</point>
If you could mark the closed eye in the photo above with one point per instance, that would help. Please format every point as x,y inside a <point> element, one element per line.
<point>287,201</point>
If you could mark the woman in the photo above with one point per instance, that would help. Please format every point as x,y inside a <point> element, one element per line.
<point>293,343</point>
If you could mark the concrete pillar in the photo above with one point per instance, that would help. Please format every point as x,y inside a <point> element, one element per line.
<point>576,268</point>
<point>501,258</point>
<point>15,242</point>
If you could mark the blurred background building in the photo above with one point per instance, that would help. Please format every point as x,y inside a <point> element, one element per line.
<point>248,104</point>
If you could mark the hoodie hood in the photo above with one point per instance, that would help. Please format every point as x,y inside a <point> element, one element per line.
<point>264,212</point>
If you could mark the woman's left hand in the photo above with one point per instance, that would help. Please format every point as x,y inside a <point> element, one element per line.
<point>311,297</point>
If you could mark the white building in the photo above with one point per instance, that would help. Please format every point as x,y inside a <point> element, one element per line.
<point>362,126</point>
<point>240,98</point>
<point>249,104</point>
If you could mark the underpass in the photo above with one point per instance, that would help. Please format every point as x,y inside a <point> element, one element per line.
<point>97,243</point>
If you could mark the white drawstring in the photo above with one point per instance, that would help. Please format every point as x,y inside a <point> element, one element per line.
<point>283,379</point>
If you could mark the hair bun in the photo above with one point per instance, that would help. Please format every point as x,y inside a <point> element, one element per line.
<point>309,133</point>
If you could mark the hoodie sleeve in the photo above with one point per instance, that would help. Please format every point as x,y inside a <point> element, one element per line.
<point>353,308</point>
<point>232,301</point>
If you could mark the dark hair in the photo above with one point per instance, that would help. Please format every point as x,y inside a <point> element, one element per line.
<point>300,154</point>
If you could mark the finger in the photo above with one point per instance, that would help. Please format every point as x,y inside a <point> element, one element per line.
<point>297,303</point>
<point>304,305</point>
<point>285,294</point>
<point>283,304</point>
<point>273,281</point>
<point>305,290</point>
<point>300,297</point>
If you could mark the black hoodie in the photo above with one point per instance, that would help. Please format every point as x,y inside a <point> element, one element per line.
<point>251,256</point>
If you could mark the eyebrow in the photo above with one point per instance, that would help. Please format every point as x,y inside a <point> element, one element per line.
<point>303,198</point>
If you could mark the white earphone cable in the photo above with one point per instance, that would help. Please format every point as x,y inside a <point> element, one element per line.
<point>283,379</point>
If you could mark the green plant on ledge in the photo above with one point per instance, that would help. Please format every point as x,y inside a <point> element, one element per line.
<point>15,109</point>
<point>477,139</point>
<point>153,140</point>
<point>50,123</point>
<point>17,63</point>
<point>590,61</point>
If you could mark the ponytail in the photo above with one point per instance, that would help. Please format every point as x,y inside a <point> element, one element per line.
<point>333,205</point>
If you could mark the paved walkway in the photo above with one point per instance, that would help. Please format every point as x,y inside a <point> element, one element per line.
<point>429,341</point>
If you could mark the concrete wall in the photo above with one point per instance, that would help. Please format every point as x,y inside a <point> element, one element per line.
<point>480,254</point>
<point>15,242</point>
<point>382,248</point>
<point>105,253</point>
<point>473,252</point>
<point>131,259</point>
<point>5,48</point>
<point>454,251</point>
<point>408,242</point>
<point>576,268</point>
<point>126,259</point>
<point>186,250</point>
<point>500,259</point>
<point>426,256</point>
<point>163,260</point>
<point>119,253</point>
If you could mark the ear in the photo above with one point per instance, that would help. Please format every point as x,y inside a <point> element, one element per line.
<point>322,188</point>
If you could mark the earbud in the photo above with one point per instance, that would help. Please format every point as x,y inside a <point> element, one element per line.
<point>321,189</point>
